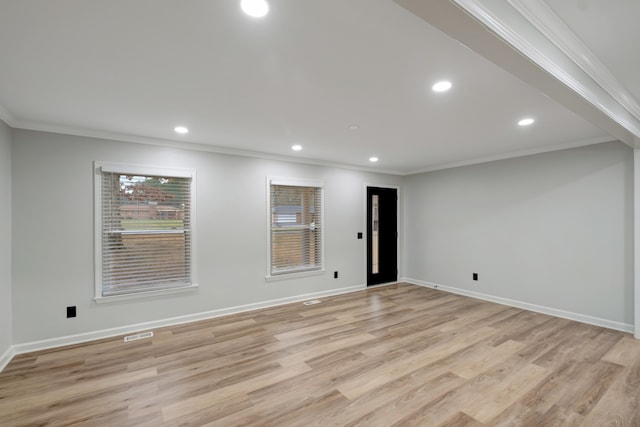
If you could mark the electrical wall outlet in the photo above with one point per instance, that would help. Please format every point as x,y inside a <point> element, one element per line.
<point>71,311</point>
<point>475,276</point>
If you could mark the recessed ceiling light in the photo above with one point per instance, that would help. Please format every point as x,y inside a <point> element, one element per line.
<point>255,8</point>
<point>354,127</point>
<point>373,159</point>
<point>442,86</point>
<point>526,122</point>
<point>181,129</point>
<point>296,147</point>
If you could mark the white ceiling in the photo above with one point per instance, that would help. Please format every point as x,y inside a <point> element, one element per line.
<point>133,70</point>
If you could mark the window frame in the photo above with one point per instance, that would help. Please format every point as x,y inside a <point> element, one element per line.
<point>299,273</point>
<point>143,170</point>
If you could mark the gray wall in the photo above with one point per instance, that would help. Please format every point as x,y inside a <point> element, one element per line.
<point>5,238</point>
<point>552,229</point>
<point>53,217</point>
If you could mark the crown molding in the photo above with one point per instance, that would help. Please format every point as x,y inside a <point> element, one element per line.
<point>7,117</point>
<point>194,146</point>
<point>552,59</point>
<point>513,154</point>
<point>541,16</point>
<point>113,136</point>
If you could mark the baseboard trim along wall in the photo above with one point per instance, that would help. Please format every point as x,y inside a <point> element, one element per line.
<point>596,321</point>
<point>6,358</point>
<point>123,330</point>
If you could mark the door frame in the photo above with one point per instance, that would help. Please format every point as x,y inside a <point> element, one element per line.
<point>365,233</point>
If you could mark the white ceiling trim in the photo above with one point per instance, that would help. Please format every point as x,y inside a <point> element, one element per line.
<point>552,27</point>
<point>582,85</point>
<point>513,154</point>
<point>7,117</point>
<point>194,146</point>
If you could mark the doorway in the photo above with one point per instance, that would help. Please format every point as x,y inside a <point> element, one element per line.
<point>382,235</point>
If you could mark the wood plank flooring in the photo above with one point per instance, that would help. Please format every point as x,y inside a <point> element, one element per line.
<point>397,355</point>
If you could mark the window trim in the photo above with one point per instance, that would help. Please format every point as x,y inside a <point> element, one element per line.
<point>295,182</point>
<point>137,169</point>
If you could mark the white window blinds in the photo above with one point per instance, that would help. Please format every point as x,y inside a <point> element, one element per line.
<point>296,228</point>
<point>146,232</point>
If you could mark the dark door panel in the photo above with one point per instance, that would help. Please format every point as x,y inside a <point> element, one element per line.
<point>382,235</point>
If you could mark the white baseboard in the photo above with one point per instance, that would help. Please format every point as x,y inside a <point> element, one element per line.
<point>6,358</point>
<point>123,330</point>
<point>618,326</point>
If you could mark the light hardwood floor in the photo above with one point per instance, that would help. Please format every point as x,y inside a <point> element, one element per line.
<point>393,355</point>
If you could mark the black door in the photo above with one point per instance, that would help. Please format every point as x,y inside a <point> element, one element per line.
<point>382,235</point>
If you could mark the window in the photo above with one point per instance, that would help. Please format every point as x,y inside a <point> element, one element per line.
<point>295,227</point>
<point>144,230</point>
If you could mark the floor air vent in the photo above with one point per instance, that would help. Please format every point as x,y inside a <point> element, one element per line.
<point>312,302</point>
<point>140,336</point>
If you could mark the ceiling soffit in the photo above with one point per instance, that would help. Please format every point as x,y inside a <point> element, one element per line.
<point>534,33</point>
<point>540,15</point>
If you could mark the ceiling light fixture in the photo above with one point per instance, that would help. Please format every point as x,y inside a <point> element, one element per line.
<point>354,127</point>
<point>526,122</point>
<point>442,86</point>
<point>255,8</point>
<point>373,159</point>
<point>296,147</point>
<point>181,130</point>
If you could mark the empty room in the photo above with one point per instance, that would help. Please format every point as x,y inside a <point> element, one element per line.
<point>319,212</point>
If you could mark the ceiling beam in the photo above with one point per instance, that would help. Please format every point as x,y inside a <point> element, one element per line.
<point>504,36</point>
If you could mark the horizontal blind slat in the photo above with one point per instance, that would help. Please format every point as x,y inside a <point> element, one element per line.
<point>146,225</point>
<point>296,228</point>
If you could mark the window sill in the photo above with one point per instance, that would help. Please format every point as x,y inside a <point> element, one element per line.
<point>288,276</point>
<point>142,295</point>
